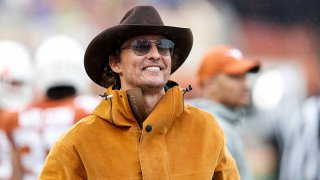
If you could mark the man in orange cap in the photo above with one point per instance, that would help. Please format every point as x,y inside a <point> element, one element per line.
<point>224,91</point>
<point>141,129</point>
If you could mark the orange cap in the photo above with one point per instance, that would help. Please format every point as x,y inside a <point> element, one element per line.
<point>225,59</point>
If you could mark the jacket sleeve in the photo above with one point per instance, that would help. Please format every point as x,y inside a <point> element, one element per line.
<point>226,168</point>
<point>62,164</point>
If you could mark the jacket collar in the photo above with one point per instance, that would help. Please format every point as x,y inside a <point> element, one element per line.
<point>116,110</point>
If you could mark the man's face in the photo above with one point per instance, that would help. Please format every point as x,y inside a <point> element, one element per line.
<point>230,90</point>
<point>147,71</point>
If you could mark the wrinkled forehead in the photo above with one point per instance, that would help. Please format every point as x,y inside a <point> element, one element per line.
<point>128,41</point>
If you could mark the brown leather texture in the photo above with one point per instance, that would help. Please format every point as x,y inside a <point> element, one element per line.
<point>136,104</point>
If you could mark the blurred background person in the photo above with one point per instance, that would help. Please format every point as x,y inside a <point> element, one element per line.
<point>275,101</point>
<point>60,84</point>
<point>224,93</point>
<point>16,75</point>
<point>16,91</point>
<point>301,154</point>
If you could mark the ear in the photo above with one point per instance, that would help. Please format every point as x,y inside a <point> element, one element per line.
<point>114,64</point>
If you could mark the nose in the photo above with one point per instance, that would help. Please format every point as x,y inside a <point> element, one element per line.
<point>153,53</point>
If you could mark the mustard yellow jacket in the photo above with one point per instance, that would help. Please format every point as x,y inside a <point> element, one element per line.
<point>183,142</point>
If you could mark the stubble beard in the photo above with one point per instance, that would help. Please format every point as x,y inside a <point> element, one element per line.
<point>152,87</point>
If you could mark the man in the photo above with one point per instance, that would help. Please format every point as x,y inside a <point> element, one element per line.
<point>224,91</point>
<point>301,155</point>
<point>36,127</point>
<point>141,129</point>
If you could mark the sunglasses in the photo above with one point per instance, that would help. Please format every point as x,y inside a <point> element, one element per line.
<point>142,47</point>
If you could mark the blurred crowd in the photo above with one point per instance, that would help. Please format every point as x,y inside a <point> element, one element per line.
<point>44,89</point>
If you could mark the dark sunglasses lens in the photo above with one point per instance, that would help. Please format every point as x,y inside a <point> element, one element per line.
<point>141,46</point>
<point>165,46</point>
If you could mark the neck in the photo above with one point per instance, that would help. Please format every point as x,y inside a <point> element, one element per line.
<point>151,98</point>
<point>219,100</point>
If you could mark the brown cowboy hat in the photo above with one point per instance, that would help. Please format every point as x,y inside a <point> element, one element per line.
<point>140,20</point>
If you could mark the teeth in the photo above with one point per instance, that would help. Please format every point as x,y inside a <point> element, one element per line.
<point>153,68</point>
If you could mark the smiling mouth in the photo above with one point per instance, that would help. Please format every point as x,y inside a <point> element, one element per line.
<point>153,68</point>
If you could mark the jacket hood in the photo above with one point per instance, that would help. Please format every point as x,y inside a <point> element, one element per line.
<point>116,109</point>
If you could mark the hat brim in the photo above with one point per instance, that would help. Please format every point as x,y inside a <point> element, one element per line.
<point>243,66</point>
<point>98,51</point>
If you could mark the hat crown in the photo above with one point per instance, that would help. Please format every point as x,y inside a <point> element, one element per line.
<point>142,15</point>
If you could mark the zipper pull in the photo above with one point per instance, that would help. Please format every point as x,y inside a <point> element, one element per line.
<point>105,96</point>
